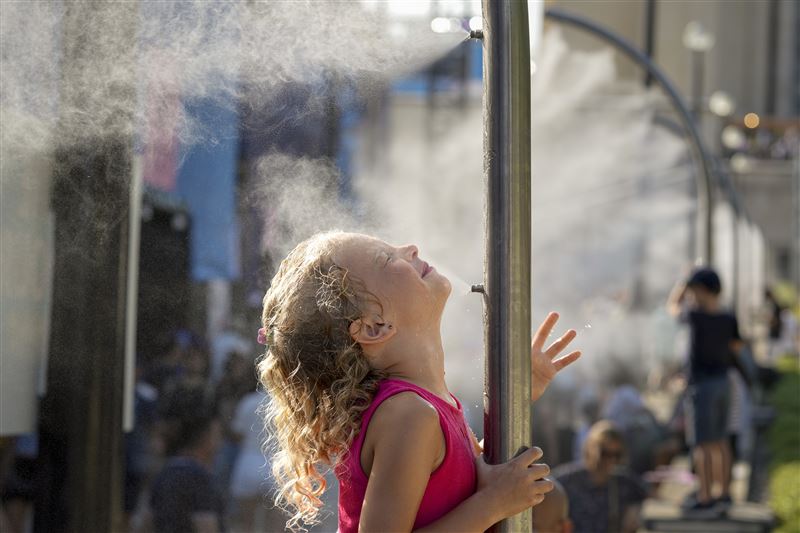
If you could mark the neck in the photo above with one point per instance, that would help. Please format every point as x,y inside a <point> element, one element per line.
<point>711,306</point>
<point>598,478</point>
<point>416,357</point>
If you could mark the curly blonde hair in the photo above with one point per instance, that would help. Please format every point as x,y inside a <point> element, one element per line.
<point>317,376</point>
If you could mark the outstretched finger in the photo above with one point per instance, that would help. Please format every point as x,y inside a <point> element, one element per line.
<point>561,343</point>
<point>567,360</point>
<point>544,331</point>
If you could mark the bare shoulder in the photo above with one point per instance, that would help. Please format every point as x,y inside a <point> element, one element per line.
<point>407,409</point>
<point>404,421</point>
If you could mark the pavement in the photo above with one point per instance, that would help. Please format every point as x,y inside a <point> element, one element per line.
<point>663,513</point>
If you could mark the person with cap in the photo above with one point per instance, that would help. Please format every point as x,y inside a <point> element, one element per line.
<point>714,347</point>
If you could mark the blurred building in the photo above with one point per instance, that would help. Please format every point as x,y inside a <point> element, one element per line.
<point>751,54</point>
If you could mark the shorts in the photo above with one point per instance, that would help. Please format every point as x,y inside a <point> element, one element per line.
<point>707,410</point>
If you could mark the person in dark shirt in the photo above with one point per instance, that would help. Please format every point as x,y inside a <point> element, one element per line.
<point>714,348</point>
<point>184,496</point>
<point>775,310</point>
<point>603,496</point>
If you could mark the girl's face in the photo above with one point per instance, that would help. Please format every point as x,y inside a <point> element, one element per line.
<point>411,291</point>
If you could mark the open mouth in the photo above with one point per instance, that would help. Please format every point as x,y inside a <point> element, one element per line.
<point>426,269</point>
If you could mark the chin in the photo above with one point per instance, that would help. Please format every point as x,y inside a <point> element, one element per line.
<point>443,284</point>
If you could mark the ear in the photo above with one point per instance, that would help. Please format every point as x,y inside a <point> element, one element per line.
<point>366,331</point>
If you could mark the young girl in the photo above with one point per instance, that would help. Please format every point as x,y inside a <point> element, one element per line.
<point>355,370</point>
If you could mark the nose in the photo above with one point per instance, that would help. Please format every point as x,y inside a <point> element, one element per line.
<point>410,251</point>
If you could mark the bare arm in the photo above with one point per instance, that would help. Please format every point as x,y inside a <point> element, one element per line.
<point>503,490</point>
<point>675,299</point>
<point>737,351</point>
<point>406,441</point>
<point>407,444</point>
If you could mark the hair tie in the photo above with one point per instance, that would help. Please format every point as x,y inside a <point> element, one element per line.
<point>262,336</point>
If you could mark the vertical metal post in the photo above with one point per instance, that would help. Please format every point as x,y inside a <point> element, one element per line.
<point>507,144</point>
<point>698,108</point>
<point>736,270</point>
<point>698,79</point>
<point>649,36</point>
<point>132,292</point>
<point>81,447</point>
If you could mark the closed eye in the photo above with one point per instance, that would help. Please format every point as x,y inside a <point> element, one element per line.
<point>388,258</point>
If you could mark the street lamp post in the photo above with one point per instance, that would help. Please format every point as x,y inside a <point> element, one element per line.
<point>699,41</point>
<point>722,105</point>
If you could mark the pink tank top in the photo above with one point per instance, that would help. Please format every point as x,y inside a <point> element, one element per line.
<point>452,482</point>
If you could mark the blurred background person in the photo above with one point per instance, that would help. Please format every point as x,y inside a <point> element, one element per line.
<point>784,334</point>
<point>236,382</point>
<point>714,349</point>
<point>169,364</point>
<point>227,343</point>
<point>142,449</point>
<point>251,481</point>
<point>552,515</point>
<point>648,443</point>
<point>774,322</point>
<point>589,405</point>
<point>184,495</point>
<point>19,482</point>
<point>603,496</point>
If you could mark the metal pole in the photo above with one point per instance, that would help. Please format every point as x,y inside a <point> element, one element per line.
<point>132,293</point>
<point>698,75</point>
<point>507,144</point>
<point>81,449</point>
<point>698,108</point>
<point>649,35</point>
<point>736,270</point>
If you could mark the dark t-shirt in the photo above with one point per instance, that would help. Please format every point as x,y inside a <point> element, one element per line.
<point>710,355</point>
<point>182,488</point>
<point>598,508</point>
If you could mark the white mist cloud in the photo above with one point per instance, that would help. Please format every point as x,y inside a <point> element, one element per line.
<point>87,64</point>
<point>298,197</point>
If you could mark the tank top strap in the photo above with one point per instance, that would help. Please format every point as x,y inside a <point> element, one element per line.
<point>388,388</point>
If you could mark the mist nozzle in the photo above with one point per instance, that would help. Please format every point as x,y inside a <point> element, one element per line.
<point>476,34</point>
<point>478,287</point>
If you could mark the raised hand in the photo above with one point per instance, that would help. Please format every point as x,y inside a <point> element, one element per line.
<point>544,365</point>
